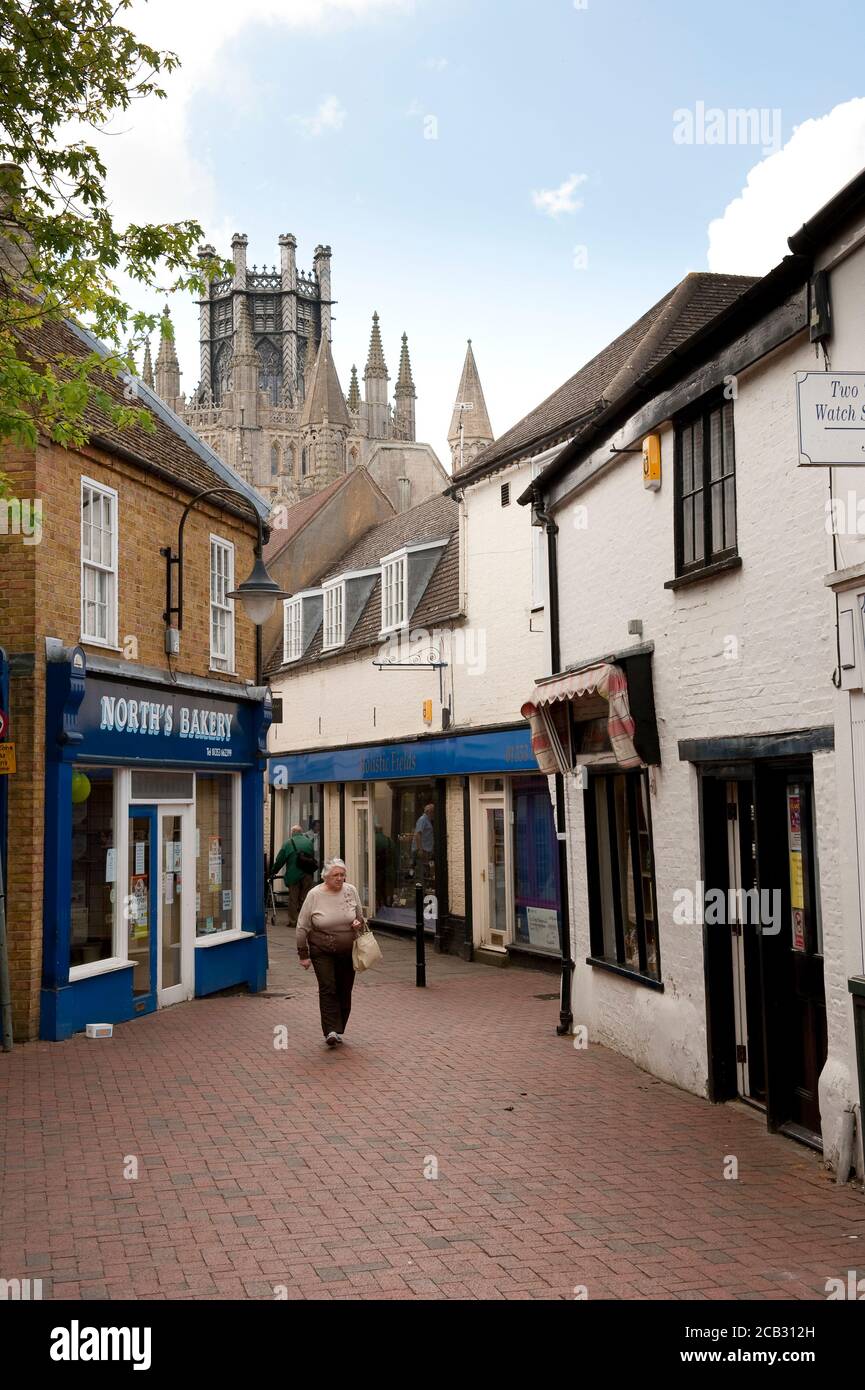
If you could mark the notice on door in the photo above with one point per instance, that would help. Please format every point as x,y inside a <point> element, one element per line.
<point>797,878</point>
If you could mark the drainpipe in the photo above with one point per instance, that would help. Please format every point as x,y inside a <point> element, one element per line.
<point>566,1017</point>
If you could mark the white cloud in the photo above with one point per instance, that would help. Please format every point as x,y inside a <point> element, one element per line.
<point>436,64</point>
<point>329,115</point>
<point>554,201</point>
<point>154,173</point>
<point>784,190</point>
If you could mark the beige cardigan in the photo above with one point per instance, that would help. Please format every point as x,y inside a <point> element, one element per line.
<point>325,920</point>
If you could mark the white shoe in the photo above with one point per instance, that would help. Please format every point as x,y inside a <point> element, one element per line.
<point>332,1039</point>
<point>340,1039</point>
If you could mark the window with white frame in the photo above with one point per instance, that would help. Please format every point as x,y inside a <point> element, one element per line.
<point>98,563</point>
<point>221,607</point>
<point>393,597</point>
<point>334,616</point>
<point>291,615</point>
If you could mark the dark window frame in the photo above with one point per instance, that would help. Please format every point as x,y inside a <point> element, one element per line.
<point>711,557</point>
<point>598,956</point>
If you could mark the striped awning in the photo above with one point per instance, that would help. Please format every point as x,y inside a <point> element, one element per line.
<point>599,691</point>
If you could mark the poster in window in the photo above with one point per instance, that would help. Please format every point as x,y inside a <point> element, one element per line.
<point>543,923</point>
<point>138,917</point>
<point>214,864</point>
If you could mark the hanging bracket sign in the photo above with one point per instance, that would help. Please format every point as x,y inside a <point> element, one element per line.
<point>830,416</point>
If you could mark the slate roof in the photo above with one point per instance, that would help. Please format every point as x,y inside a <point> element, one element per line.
<point>683,311</point>
<point>171,448</point>
<point>433,519</point>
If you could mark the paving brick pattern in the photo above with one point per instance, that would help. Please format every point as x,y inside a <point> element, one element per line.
<point>303,1168</point>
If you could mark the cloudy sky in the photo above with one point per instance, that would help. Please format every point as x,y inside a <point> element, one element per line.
<point>532,174</point>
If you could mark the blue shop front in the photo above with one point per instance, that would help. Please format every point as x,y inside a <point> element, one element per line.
<point>465,814</point>
<point>154,851</point>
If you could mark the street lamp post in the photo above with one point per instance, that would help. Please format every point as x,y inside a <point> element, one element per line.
<point>258,593</point>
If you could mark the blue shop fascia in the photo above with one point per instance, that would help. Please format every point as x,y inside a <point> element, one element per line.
<point>154,851</point>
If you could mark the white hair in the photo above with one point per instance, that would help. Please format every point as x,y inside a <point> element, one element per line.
<point>334,863</point>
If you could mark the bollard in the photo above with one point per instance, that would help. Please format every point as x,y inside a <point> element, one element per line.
<point>420,943</point>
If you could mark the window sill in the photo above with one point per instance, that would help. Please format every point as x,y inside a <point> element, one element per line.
<point>219,938</point>
<point>628,974</point>
<point>98,967</point>
<point>220,671</point>
<point>103,646</point>
<point>733,562</point>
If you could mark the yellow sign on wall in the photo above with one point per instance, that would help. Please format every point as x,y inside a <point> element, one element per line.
<point>7,758</point>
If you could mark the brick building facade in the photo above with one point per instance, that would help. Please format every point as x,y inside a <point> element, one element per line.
<point>140,481</point>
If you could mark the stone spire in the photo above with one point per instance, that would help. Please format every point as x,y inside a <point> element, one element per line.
<point>375,379</point>
<point>476,429</point>
<point>354,392</point>
<point>325,402</point>
<point>375,363</point>
<point>324,423</point>
<point>167,374</point>
<point>404,394</point>
<point>147,368</point>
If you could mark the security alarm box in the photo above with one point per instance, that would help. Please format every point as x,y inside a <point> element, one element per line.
<point>652,462</point>
<point>427,711</point>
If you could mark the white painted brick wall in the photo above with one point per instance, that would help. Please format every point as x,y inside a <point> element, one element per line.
<point>782,619</point>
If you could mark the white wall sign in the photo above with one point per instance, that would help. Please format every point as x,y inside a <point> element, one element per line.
<point>830,413</point>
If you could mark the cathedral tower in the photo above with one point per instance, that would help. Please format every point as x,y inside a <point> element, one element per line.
<point>167,377</point>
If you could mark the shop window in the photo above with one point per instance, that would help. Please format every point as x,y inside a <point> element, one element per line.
<point>622,899</point>
<point>536,866</point>
<point>221,607</point>
<point>217,877</point>
<point>406,851</point>
<point>94,866</point>
<point>301,805</point>
<point>705,489</point>
<point>98,564</point>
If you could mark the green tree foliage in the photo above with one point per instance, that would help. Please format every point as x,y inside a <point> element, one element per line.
<point>66,68</point>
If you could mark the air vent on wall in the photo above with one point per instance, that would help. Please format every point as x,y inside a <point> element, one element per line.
<point>506,494</point>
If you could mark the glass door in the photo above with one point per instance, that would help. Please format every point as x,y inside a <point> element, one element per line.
<point>493,871</point>
<point>140,906</point>
<point>176,913</point>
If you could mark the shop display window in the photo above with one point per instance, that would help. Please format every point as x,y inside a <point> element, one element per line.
<point>94,866</point>
<point>217,878</point>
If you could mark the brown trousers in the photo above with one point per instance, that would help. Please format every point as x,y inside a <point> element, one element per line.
<point>335,975</point>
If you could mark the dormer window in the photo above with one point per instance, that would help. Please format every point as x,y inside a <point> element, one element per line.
<point>393,593</point>
<point>292,626</point>
<point>334,615</point>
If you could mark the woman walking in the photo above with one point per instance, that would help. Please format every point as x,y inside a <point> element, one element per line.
<point>329,921</point>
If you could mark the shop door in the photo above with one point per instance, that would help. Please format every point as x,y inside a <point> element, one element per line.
<point>360,867</point>
<point>141,905</point>
<point>795,1000</point>
<point>494,874</point>
<point>176,914</point>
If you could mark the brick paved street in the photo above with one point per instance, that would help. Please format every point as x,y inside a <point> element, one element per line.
<point>304,1167</point>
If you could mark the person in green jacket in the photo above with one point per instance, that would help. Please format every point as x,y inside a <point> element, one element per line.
<point>293,859</point>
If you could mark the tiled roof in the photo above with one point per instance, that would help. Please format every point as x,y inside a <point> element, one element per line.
<point>439,601</point>
<point>298,516</point>
<point>687,308</point>
<point>171,447</point>
<point>437,516</point>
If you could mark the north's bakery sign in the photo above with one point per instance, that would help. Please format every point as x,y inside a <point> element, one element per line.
<point>830,412</point>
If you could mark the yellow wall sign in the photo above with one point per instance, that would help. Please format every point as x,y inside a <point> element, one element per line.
<point>7,757</point>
